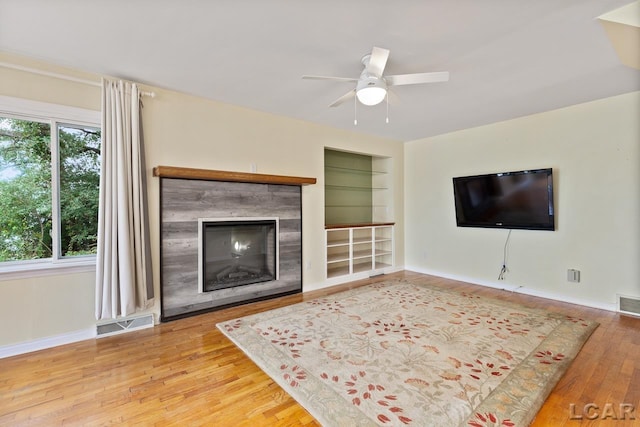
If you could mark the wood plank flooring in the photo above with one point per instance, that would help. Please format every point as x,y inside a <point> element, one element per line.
<point>187,373</point>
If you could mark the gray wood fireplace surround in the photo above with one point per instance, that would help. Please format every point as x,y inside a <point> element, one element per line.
<point>187,195</point>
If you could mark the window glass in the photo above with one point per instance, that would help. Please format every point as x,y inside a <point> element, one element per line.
<point>45,214</point>
<point>25,190</point>
<point>79,163</point>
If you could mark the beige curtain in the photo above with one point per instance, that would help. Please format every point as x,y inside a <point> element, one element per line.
<point>124,281</point>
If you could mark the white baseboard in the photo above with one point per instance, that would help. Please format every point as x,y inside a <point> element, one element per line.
<point>47,342</point>
<point>359,276</point>
<point>518,289</point>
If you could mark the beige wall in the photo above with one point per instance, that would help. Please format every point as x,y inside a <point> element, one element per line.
<point>594,150</point>
<point>186,131</point>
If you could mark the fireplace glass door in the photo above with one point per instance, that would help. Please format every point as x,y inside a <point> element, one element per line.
<point>238,252</point>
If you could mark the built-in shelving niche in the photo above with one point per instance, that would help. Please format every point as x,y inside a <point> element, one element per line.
<point>357,188</point>
<point>358,215</point>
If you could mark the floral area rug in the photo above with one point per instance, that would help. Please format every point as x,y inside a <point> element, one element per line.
<point>401,353</point>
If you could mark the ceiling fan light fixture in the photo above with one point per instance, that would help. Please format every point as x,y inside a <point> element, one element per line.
<point>371,91</point>
<point>371,95</point>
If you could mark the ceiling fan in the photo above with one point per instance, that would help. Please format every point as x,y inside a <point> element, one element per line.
<point>371,86</point>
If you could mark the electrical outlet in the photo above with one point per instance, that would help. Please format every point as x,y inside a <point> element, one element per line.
<point>573,275</point>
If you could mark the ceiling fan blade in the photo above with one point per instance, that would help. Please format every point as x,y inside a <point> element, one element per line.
<point>344,98</point>
<point>412,79</point>
<point>339,79</point>
<point>377,61</point>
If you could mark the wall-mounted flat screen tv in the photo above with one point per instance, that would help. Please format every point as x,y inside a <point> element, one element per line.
<point>513,200</point>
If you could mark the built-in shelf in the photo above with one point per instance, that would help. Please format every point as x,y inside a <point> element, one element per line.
<point>359,225</point>
<point>354,170</point>
<point>358,248</point>
<point>353,188</point>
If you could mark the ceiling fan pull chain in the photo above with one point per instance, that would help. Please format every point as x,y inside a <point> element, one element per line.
<point>387,106</point>
<point>355,111</point>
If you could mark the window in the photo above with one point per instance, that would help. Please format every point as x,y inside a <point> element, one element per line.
<point>49,184</point>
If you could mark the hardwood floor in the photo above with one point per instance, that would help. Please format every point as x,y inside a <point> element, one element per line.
<point>186,372</point>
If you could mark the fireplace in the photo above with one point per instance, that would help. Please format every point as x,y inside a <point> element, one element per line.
<point>191,197</point>
<point>236,252</point>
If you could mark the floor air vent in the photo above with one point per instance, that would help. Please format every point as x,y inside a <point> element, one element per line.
<point>629,305</point>
<point>124,325</point>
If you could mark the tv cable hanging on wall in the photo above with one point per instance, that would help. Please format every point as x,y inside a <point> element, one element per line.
<point>504,269</point>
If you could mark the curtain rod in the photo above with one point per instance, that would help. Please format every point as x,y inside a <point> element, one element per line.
<point>62,76</point>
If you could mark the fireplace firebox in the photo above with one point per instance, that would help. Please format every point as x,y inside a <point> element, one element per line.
<point>236,252</point>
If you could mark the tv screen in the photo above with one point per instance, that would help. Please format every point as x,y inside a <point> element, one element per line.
<point>513,200</point>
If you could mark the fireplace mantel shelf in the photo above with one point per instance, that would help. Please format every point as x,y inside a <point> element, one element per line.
<point>216,175</point>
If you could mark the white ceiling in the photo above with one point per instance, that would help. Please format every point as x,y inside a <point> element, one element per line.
<point>507,58</point>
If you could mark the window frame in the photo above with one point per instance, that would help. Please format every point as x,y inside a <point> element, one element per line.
<point>56,115</point>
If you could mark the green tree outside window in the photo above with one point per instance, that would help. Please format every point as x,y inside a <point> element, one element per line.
<point>27,199</point>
